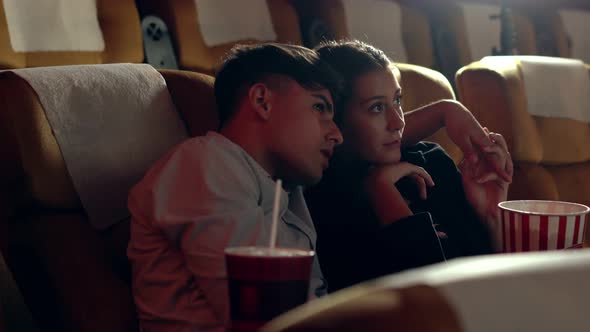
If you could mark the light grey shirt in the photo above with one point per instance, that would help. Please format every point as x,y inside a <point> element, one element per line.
<point>205,195</point>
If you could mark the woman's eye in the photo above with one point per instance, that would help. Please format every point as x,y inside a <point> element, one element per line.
<point>398,100</point>
<point>377,108</point>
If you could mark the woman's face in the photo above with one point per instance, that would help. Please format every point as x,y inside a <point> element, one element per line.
<point>373,122</point>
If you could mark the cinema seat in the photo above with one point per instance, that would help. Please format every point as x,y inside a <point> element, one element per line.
<point>524,292</point>
<point>203,31</point>
<point>79,33</point>
<point>68,256</point>
<point>398,28</point>
<point>540,105</point>
<point>423,86</point>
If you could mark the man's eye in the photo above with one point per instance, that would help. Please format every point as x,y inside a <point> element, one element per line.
<point>377,108</point>
<point>398,100</point>
<point>320,107</point>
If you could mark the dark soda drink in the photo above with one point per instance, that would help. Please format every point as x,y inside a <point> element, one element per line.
<point>264,283</point>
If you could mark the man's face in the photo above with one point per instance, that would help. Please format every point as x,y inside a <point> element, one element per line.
<point>303,133</point>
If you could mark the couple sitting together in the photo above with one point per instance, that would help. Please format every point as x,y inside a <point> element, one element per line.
<point>329,123</point>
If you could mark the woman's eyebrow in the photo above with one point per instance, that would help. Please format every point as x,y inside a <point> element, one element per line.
<point>364,101</point>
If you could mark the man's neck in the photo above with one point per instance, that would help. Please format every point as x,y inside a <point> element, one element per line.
<point>251,142</point>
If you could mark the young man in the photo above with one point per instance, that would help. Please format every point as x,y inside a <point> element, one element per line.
<point>212,192</point>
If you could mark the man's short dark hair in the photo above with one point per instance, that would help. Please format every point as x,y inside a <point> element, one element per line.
<point>247,65</point>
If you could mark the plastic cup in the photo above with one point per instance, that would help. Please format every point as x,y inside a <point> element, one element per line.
<point>264,283</point>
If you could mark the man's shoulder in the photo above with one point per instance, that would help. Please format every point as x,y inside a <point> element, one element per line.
<point>200,160</point>
<point>210,152</point>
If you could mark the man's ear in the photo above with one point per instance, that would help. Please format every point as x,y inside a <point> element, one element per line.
<point>260,97</point>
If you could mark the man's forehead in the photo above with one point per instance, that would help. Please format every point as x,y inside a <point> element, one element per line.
<point>287,83</point>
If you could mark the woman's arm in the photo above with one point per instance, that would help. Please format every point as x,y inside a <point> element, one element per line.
<point>462,127</point>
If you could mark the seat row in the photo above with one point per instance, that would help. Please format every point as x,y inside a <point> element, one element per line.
<point>194,34</point>
<point>68,163</point>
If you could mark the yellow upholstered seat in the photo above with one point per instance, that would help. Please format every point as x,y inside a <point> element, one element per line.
<point>422,86</point>
<point>407,40</point>
<point>119,24</point>
<point>551,154</point>
<point>72,276</point>
<point>181,16</point>
<point>463,32</point>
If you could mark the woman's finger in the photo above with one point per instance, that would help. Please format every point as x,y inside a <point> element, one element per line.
<point>421,185</point>
<point>493,176</point>
<point>422,173</point>
<point>509,164</point>
<point>500,161</point>
<point>499,139</point>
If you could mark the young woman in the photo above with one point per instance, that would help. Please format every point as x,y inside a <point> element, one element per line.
<point>386,204</point>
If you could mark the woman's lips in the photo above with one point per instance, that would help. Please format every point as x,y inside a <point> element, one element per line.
<point>393,143</point>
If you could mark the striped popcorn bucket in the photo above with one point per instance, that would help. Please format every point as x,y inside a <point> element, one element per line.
<point>533,225</point>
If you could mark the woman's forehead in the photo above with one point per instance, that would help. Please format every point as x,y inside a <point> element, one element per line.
<point>383,81</point>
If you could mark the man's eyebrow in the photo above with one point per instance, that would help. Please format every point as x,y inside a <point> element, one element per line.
<point>325,100</point>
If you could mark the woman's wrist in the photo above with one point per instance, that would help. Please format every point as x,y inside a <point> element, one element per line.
<point>387,202</point>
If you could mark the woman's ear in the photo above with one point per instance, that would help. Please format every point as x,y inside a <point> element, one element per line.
<point>259,96</point>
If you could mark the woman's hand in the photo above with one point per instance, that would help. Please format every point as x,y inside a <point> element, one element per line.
<point>390,174</point>
<point>388,204</point>
<point>484,188</point>
<point>466,132</point>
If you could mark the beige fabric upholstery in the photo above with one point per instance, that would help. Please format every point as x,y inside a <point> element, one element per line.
<point>72,277</point>
<point>543,291</point>
<point>367,308</point>
<point>119,22</point>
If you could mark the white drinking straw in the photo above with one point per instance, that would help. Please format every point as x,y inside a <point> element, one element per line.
<point>275,214</point>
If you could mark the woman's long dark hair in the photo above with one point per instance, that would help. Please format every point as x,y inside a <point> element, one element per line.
<point>351,59</point>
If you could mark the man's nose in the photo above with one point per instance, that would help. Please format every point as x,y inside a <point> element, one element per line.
<point>335,135</point>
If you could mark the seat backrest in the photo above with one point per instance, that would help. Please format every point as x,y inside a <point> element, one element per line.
<point>82,32</point>
<point>483,26</point>
<point>72,270</point>
<point>399,29</point>
<point>543,291</point>
<point>204,30</point>
<point>422,86</point>
<point>531,102</point>
<point>571,33</point>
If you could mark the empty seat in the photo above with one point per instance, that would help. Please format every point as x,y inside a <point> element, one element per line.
<point>399,29</point>
<point>204,30</point>
<point>67,164</point>
<point>67,32</point>
<point>466,31</point>
<point>532,102</point>
<point>573,40</point>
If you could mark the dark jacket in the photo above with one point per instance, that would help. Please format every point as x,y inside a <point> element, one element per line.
<point>352,246</point>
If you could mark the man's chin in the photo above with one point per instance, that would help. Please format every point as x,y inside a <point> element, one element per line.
<point>304,180</point>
